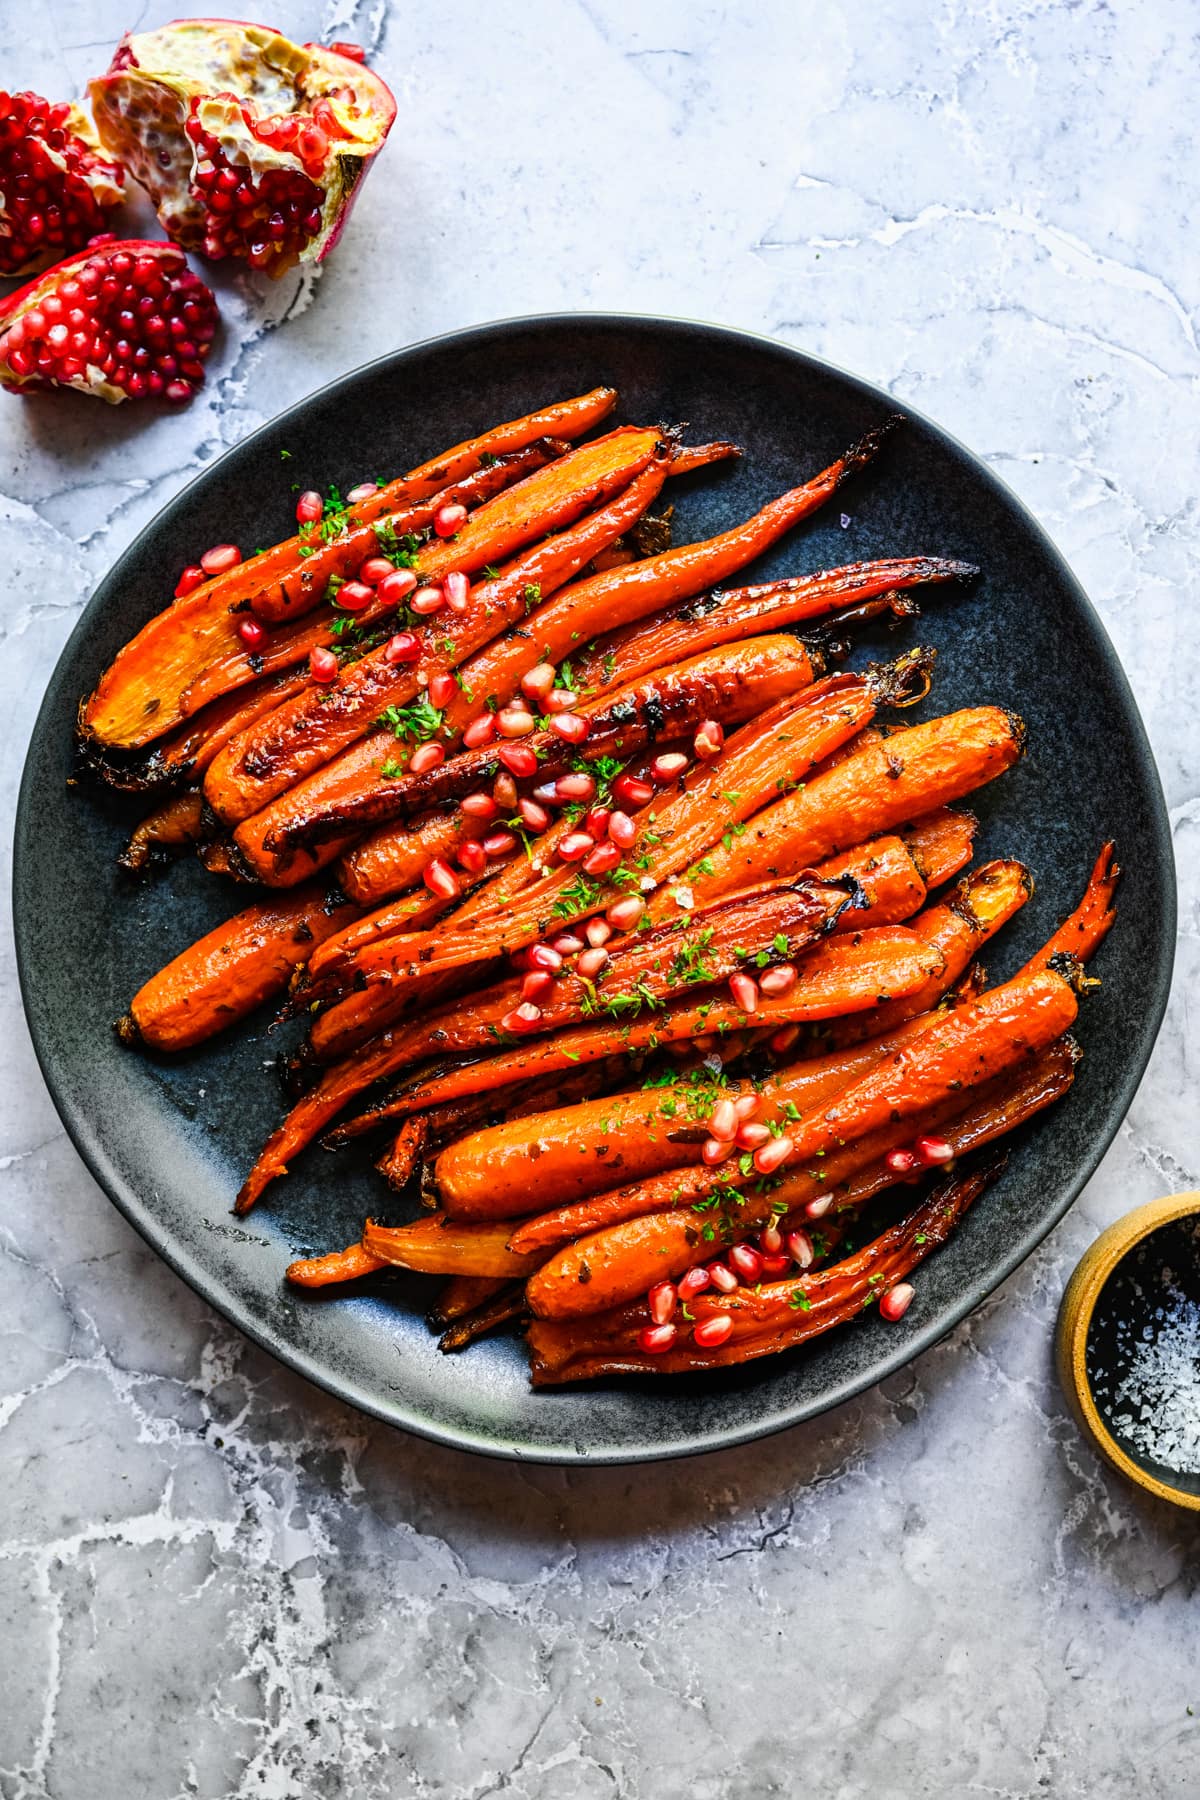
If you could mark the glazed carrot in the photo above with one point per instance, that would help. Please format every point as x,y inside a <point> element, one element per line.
<point>881,787</point>
<point>305,736</point>
<point>437,1246</point>
<point>940,843</point>
<point>721,616</point>
<point>337,1266</point>
<point>166,831</point>
<point>1084,931</point>
<point>843,975</point>
<point>184,754</point>
<point>192,653</point>
<point>400,1159</point>
<point>1004,1028</point>
<point>231,971</point>
<point>461,1295</point>
<point>730,684</point>
<point>507,1305</point>
<point>625,594</point>
<point>777,1316</point>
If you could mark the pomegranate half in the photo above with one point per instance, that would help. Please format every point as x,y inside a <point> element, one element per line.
<point>249,145</point>
<point>56,189</point>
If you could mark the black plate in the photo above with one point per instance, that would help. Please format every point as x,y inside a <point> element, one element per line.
<point>170,1143</point>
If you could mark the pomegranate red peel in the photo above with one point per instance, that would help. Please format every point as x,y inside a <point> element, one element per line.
<point>56,188</point>
<point>122,321</point>
<point>248,144</point>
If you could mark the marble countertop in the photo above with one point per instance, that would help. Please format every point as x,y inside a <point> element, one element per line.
<point>213,1580</point>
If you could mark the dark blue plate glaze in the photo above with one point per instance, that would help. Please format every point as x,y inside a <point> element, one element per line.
<point>170,1143</point>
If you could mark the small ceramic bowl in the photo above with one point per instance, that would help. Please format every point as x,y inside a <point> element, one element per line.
<point>1125,1324</point>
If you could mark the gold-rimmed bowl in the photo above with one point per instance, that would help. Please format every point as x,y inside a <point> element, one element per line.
<point>1110,1298</point>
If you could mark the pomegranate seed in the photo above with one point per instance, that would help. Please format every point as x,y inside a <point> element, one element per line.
<point>365,489</point>
<point>524,1018</point>
<point>782,1041</point>
<point>575,787</point>
<point>631,791</point>
<point>442,689</point>
<point>377,569</point>
<point>427,600</point>
<point>772,1156</point>
<point>933,1150</point>
<point>191,578</point>
<point>715,1150</point>
<point>624,915</point>
<point>395,587</point>
<point>895,1303</point>
<point>354,596</point>
<point>310,507</point>
<point>457,590</point>
<point>775,1266</point>
<point>746,1105</point>
<point>723,1278</point>
<point>603,860</point>
<point>724,1123</point>
<point>537,986</point>
<point>900,1162</point>
<point>538,681</point>
<point>544,956</point>
<point>592,961</point>
<point>322,663</point>
<point>441,880</point>
<point>426,757</point>
<point>534,817</point>
<point>574,846</point>
<point>518,759</point>
<point>800,1248</point>
<point>780,980</point>
<point>662,1299</point>
<point>515,722</point>
<point>709,740</point>
<point>404,647</point>
<point>622,830</point>
<point>566,943</point>
<point>220,558</point>
<point>449,518</point>
<point>816,1209</point>
<point>560,700</point>
<point>596,821</point>
<point>479,732</point>
<point>751,1135</point>
<point>499,843</point>
<point>504,790</point>
<point>654,1339</point>
<point>597,932</point>
<point>746,1262</point>
<point>745,992</point>
<point>547,794</point>
<point>668,767</point>
<point>353,52</point>
<point>770,1239</point>
<point>472,857</point>
<point>479,806</point>
<point>694,1282</point>
<point>252,634</point>
<point>569,727</point>
<point>711,1332</point>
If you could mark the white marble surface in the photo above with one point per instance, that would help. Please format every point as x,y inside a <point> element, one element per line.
<point>215,1582</point>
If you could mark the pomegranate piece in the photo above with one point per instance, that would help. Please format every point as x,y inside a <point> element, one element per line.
<point>56,188</point>
<point>249,145</point>
<point>123,321</point>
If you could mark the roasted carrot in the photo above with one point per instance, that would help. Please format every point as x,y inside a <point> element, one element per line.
<point>626,594</point>
<point>184,754</point>
<point>232,970</point>
<point>1081,934</point>
<point>505,1306</point>
<point>891,883</point>
<point>1004,1028</point>
<point>170,828</point>
<point>438,1246</point>
<point>730,684</point>
<point>337,1266</point>
<point>845,974</point>
<point>721,616</point>
<point>940,843</point>
<point>400,1159</point>
<point>883,786</point>
<point>460,1296</point>
<point>777,1316</point>
<point>192,653</point>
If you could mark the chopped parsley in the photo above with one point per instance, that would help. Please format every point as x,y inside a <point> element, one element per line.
<point>417,722</point>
